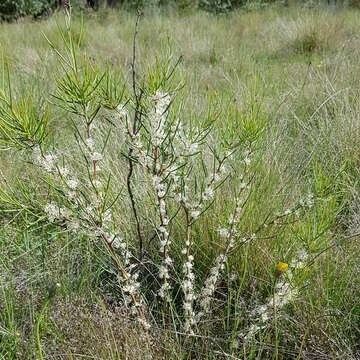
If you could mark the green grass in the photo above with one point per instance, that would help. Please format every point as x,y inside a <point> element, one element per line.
<point>292,75</point>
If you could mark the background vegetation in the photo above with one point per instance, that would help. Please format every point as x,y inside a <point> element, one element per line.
<point>13,9</point>
<point>291,72</point>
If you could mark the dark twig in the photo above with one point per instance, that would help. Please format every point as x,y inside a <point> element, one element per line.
<point>137,118</point>
<point>133,62</point>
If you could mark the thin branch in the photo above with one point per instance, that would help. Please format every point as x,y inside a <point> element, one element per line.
<point>137,118</point>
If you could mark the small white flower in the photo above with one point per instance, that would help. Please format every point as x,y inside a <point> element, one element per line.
<point>223,232</point>
<point>97,184</point>
<point>64,171</point>
<point>90,143</point>
<point>187,306</point>
<point>95,156</point>
<point>162,229</point>
<point>49,162</point>
<point>117,243</point>
<point>247,161</point>
<point>163,272</point>
<point>163,244</point>
<point>161,193</point>
<point>55,212</point>
<point>208,193</point>
<point>146,325</point>
<point>193,148</point>
<point>243,185</point>
<point>72,184</point>
<point>188,265</point>
<point>195,214</point>
<point>233,277</point>
<point>122,112</point>
<point>156,180</point>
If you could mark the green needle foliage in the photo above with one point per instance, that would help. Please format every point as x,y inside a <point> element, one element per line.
<point>23,121</point>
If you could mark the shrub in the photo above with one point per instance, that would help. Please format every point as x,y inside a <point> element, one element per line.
<point>134,136</point>
<point>222,6</point>
<point>38,8</point>
<point>11,9</point>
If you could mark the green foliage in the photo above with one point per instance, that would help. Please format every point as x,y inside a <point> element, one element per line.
<point>223,6</point>
<point>11,9</point>
<point>38,8</point>
<point>217,6</point>
<point>23,121</point>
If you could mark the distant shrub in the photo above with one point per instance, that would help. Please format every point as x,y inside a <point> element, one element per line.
<point>221,6</point>
<point>355,3</point>
<point>218,6</point>
<point>38,8</point>
<point>11,9</point>
<point>308,42</point>
<point>313,35</point>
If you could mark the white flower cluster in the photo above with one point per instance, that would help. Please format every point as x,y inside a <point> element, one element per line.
<point>189,292</point>
<point>93,154</point>
<point>162,167</point>
<point>55,212</point>
<point>165,148</point>
<point>86,212</point>
<point>230,234</point>
<point>165,242</point>
<point>122,112</point>
<point>195,205</point>
<point>184,143</point>
<point>157,117</point>
<point>80,212</point>
<point>86,215</point>
<point>285,293</point>
<point>47,161</point>
<point>210,284</point>
<point>175,142</point>
<point>308,201</point>
<point>299,261</point>
<point>127,276</point>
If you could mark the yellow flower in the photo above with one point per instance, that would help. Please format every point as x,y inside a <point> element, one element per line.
<point>282,267</point>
